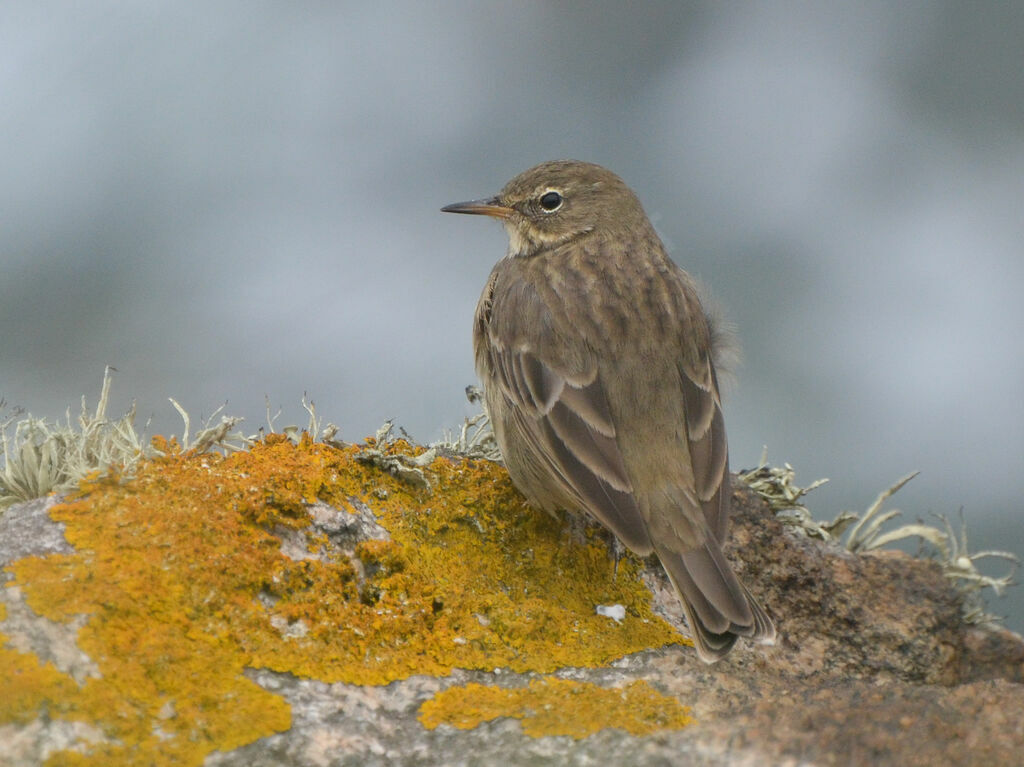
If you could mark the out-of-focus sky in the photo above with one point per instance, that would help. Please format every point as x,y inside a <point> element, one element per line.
<point>235,201</point>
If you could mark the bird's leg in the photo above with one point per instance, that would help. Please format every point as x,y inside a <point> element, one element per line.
<point>618,550</point>
<point>576,529</point>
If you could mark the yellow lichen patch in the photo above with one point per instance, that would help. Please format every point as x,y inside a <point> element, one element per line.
<point>181,573</point>
<point>553,706</point>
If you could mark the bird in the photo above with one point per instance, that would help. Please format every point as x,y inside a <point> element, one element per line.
<point>597,360</point>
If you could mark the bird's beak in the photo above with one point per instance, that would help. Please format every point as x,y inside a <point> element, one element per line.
<point>489,207</point>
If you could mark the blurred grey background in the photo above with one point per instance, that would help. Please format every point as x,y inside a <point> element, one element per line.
<point>235,201</point>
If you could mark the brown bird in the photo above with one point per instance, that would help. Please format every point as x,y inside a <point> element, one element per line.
<point>597,362</point>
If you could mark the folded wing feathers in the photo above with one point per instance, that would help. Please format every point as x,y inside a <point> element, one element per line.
<point>570,428</point>
<point>616,509</point>
<point>544,385</point>
<point>709,451</point>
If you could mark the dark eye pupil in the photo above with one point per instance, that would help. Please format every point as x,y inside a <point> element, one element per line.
<point>551,200</point>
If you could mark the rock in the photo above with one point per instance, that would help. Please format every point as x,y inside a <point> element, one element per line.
<point>873,664</point>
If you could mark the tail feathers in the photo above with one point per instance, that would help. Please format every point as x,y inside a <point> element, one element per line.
<point>718,607</point>
<point>764,628</point>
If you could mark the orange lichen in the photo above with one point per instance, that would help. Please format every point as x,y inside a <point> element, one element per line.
<point>552,706</point>
<point>181,573</point>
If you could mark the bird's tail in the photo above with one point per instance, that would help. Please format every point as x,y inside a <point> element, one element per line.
<point>718,607</point>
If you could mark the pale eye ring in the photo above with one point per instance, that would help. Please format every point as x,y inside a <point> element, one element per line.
<point>550,201</point>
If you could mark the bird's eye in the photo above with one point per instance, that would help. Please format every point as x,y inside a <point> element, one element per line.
<point>551,201</point>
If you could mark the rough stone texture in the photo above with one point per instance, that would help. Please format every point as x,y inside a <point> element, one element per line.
<point>872,666</point>
<point>26,530</point>
<point>881,614</point>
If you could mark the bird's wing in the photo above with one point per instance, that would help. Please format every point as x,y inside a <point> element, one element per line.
<point>564,419</point>
<point>709,449</point>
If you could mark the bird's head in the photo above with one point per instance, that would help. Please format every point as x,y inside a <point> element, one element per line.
<point>557,202</point>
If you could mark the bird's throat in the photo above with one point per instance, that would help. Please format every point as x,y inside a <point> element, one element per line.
<point>525,242</point>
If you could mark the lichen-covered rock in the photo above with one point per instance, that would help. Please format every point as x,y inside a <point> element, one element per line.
<point>293,604</point>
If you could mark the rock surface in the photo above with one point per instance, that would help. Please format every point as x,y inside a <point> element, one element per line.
<point>873,665</point>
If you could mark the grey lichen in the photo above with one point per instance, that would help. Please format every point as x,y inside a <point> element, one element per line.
<point>475,439</point>
<point>405,466</point>
<point>777,486</point>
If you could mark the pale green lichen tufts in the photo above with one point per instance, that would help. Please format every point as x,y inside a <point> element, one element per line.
<point>221,434</point>
<point>866,534</point>
<point>42,457</point>
<point>951,552</point>
<point>315,427</point>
